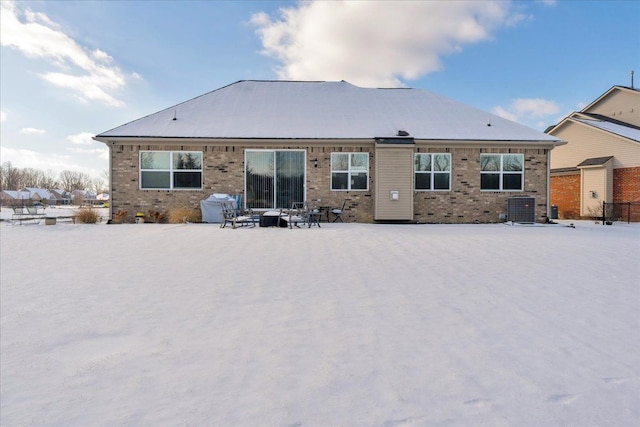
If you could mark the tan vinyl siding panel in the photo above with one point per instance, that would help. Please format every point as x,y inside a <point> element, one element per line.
<point>609,183</point>
<point>621,105</point>
<point>593,180</point>
<point>600,180</point>
<point>585,142</point>
<point>394,172</point>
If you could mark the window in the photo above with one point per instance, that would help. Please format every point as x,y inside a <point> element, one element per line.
<point>349,171</point>
<point>274,179</point>
<point>170,170</point>
<point>432,171</point>
<point>501,172</point>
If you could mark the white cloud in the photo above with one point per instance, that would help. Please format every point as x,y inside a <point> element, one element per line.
<point>102,153</point>
<point>83,138</point>
<point>527,109</point>
<point>499,111</point>
<point>31,159</point>
<point>90,75</point>
<point>21,158</point>
<point>375,43</point>
<point>3,116</point>
<point>32,131</point>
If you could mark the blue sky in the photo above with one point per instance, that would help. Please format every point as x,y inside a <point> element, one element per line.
<point>70,70</point>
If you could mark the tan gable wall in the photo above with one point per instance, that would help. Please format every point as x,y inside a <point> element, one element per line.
<point>585,142</point>
<point>621,104</point>
<point>223,172</point>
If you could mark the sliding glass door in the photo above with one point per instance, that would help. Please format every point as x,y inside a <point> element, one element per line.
<point>274,179</point>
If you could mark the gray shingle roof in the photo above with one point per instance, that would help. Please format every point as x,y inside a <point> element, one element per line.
<point>324,110</point>
<point>595,161</point>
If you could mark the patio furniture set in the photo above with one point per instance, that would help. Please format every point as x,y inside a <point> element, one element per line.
<point>299,214</point>
<point>27,213</point>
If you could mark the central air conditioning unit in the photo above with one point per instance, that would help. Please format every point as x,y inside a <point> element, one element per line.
<point>521,209</point>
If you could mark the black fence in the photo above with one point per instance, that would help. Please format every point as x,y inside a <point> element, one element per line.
<point>620,211</point>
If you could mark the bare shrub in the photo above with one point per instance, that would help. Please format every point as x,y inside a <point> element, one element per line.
<point>86,216</point>
<point>119,216</point>
<point>157,217</point>
<point>183,215</point>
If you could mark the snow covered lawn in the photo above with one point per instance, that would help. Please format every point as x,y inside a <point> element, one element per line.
<point>347,325</point>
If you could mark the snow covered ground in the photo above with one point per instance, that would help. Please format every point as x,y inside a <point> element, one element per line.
<point>347,325</point>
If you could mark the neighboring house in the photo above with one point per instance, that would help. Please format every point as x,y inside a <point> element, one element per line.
<point>601,160</point>
<point>83,197</point>
<point>39,195</point>
<point>102,197</point>
<point>394,154</point>
<point>12,198</point>
<point>62,197</point>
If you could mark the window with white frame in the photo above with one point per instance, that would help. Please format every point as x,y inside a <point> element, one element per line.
<point>432,171</point>
<point>501,172</point>
<point>170,170</point>
<point>349,171</point>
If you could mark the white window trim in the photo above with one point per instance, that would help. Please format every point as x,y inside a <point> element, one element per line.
<point>170,170</point>
<point>349,171</point>
<point>501,172</point>
<point>432,172</point>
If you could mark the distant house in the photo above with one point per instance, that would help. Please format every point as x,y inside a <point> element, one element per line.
<point>102,198</point>
<point>83,197</point>
<point>601,160</point>
<point>62,197</point>
<point>392,154</point>
<point>39,195</point>
<point>12,198</point>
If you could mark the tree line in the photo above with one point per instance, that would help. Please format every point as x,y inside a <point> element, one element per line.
<point>12,178</point>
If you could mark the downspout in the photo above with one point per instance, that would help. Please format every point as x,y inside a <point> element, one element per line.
<point>110,145</point>
<point>548,185</point>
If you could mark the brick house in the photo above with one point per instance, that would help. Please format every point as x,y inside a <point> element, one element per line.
<point>601,160</point>
<point>392,154</point>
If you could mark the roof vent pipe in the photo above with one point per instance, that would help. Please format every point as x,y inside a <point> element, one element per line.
<point>631,79</point>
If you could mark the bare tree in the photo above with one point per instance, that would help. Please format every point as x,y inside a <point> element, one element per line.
<point>49,180</point>
<point>99,185</point>
<point>10,177</point>
<point>74,180</point>
<point>32,178</point>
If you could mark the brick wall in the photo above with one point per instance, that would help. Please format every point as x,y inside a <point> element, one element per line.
<point>565,194</point>
<point>223,172</point>
<point>626,185</point>
<point>465,203</point>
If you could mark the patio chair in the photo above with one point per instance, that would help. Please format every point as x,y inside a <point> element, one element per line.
<point>19,213</point>
<point>297,214</point>
<point>337,212</point>
<point>238,202</point>
<point>34,212</point>
<point>230,215</point>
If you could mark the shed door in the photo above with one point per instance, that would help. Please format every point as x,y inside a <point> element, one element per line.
<point>394,183</point>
